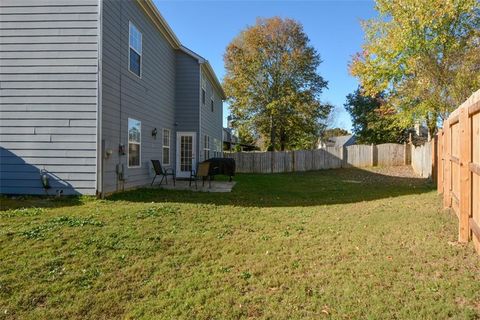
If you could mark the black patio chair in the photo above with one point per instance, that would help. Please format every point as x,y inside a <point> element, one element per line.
<point>160,171</point>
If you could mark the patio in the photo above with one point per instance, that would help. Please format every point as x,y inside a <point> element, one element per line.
<point>216,186</point>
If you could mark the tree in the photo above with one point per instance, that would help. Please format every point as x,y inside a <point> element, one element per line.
<point>334,132</point>
<point>372,120</point>
<point>272,84</point>
<point>423,54</point>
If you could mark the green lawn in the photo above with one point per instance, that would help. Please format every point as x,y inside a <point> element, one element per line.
<point>339,244</point>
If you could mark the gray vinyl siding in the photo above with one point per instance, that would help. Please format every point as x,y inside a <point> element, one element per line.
<point>48,95</point>
<point>186,92</point>
<point>211,122</point>
<point>149,99</point>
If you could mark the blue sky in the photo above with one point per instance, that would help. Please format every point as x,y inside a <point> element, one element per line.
<point>333,27</point>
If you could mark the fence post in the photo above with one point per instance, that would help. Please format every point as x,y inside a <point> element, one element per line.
<point>440,162</point>
<point>433,154</point>
<point>272,160</point>
<point>465,184</point>
<point>447,197</point>
<point>373,154</point>
<point>293,161</point>
<point>405,153</point>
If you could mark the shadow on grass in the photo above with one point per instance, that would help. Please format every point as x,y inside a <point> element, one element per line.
<point>337,186</point>
<point>16,202</point>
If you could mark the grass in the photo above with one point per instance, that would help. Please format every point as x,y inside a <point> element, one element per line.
<point>336,244</point>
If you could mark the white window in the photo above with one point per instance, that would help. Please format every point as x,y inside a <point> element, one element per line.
<point>134,143</point>
<point>218,147</point>
<point>135,50</point>
<point>204,91</point>
<point>206,147</point>
<point>215,151</point>
<point>166,147</point>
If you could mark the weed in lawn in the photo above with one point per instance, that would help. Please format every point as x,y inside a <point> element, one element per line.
<point>56,269</point>
<point>225,269</point>
<point>245,275</point>
<point>157,212</point>
<point>38,232</point>
<point>87,278</point>
<point>75,222</point>
<point>22,212</point>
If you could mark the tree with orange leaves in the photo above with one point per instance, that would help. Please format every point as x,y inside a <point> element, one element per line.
<point>273,85</point>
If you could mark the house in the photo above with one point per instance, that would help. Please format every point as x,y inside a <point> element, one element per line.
<point>418,135</point>
<point>92,90</point>
<point>229,139</point>
<point>232,142</point>
<point>338,141</point>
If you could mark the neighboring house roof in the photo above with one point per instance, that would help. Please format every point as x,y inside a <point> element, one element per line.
<point>340,141</point>
<point>149,7</point>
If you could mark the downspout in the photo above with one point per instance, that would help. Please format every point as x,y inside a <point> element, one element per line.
<point>199,140</point>
<point>100,142</point>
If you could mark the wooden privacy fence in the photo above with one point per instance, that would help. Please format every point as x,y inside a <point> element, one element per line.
<point>423,159</point>
<point>458,155</point>
<point>389,154</point>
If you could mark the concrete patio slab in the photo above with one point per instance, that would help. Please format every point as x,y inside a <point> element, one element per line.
<point>216,186</point>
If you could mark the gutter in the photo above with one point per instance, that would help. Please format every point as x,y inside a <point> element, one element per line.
<point>100,143</point>
<point>151,10</point>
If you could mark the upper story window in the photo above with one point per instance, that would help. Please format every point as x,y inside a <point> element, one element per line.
<point>135,50</point>
<point>166,147</point>
<point>204,91</point>
<point>134,143</point>
<point>212,103</point>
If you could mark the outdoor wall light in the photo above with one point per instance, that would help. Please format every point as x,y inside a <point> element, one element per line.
<point>108,153</point>
<point>121,150</point>
<point>154,133</point>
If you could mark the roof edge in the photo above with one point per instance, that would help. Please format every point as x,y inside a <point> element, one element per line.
<point>212,75</point>
<point>151,10</point>
<point>210,72</point>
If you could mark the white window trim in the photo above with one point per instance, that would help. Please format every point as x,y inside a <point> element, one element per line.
<point>207,138</point>
<point>204,89</point>
<point>130,23</point>
<point>168,147</point>
<point>139,147</point>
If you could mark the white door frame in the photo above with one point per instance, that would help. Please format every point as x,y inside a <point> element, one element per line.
<point>185,174</point>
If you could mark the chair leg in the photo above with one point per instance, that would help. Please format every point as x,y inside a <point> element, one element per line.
<point>151,184</point>
<point>166,179</point>
<point>174,178</point>
<point>162,180</point>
